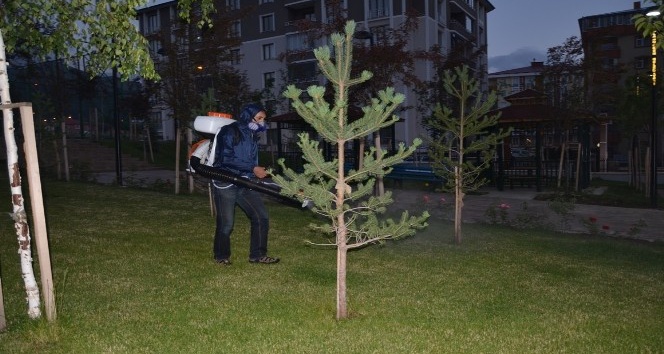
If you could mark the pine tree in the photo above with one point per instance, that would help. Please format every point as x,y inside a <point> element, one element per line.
<point>346,199</point>
<point>468,131</point>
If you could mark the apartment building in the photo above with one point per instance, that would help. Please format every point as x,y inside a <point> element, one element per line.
<point>620,60</point>
<point>508,82</point>
<point>612,44</point>
<point>270,30</point>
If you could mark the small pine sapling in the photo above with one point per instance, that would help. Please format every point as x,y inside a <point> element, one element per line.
<point>345,198</point>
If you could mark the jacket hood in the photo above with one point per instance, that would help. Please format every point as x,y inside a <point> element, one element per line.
<point>248,113</point>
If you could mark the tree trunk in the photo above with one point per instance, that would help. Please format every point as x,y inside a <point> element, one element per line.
<point>58,162</point>
<point>458,205</point>
<point>177,160</point>
<point>380,187</point>
<point>64,150</point>
<point>19,215</point>
<point>342,238</point>
<point>3,319</point>
<point>190,179</point>
<point>342,301</point>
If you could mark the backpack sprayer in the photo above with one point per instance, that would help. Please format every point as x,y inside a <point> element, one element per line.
<point>201,160</point>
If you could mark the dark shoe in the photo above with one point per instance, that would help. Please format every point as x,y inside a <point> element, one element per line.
<point>264,260</point>
<point>224,261</point>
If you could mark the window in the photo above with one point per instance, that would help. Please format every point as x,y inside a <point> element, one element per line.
<point>265,1</point>
<point>236,59</point>
<point>302,72</point>
<point>155,45</point>
<point>640,63</point>
<point>268,51</point>
<point>235,30</point>
<point>299,41</point>
<point>608,63</point>
<point>641,42</point>
<point>331,12</point>
<point>378,8</point>
<point>233,4</point>
<point>440,11</point>
<point>516,85</point>
<point>153,24</point>
<point>267,23</point>
<point>268,79</point>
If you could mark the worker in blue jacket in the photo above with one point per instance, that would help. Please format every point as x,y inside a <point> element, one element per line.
<point>237,152</point>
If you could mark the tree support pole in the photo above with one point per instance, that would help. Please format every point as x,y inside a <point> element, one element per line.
<point>37,204</point>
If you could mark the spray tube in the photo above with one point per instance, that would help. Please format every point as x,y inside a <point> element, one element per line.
<point>269,188</point>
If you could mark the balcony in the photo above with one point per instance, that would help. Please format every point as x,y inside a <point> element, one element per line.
<point>464,5</point>
<point>459,28</point>
<point>299,22</point>
<point>296,4</point>
<point>378,13</point>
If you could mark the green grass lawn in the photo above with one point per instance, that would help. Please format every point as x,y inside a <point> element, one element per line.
<point>133,272</point>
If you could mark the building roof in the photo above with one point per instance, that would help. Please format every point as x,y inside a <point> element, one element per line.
<point>635,9</point>
<point>525,94</point>
<point>536,67</point>
<point>526,113</point>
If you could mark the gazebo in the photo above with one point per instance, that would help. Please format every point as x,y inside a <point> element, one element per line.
<point>282,140</point>
<point>546,144</point>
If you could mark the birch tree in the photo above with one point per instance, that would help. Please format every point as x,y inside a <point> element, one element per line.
<point>103,32</point>
<point>467,130</point>
<point>345,199</point>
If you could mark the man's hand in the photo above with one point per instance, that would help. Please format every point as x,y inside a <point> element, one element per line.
<point>260,172</point>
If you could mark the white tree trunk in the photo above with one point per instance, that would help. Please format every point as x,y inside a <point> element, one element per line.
<point>19,215</point>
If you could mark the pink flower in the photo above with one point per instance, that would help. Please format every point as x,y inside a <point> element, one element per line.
<point>442,200</point>
<point>592,219</point>
<point>605,227</point>
<point>504,206</point>
<point>426,198</point>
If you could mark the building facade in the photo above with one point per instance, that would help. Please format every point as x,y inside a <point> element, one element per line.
<point>619,66</point>
<point>269,30</point>
<point>508,82</point>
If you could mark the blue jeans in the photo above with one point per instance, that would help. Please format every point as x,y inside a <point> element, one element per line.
<point>226,196</point>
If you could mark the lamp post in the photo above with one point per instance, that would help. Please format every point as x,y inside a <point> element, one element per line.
<point>653,118</point>
<point>118,127</point>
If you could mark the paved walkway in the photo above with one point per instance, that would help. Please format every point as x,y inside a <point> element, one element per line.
<point>643,224</point>
<point>521,207</point>
<point>144,177</point>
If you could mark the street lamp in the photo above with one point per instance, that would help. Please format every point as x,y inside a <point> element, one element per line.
<point>653,118</point>
<point>118,127</point>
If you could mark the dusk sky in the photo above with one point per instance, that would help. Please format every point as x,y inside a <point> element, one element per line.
<point>522,30</point>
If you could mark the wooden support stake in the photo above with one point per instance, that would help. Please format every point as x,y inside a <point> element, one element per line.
<point>560,165</point>
<point>37,203</point>
<point>578,167</point>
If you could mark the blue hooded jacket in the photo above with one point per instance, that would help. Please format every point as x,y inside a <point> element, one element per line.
<point>237,145</point>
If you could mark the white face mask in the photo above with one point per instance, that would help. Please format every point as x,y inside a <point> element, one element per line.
<point>257,127</point>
